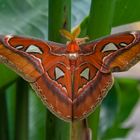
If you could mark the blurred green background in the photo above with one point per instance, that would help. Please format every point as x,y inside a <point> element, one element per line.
<point>22,114</point>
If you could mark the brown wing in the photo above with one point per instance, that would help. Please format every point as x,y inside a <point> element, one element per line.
<point>118,52</point>
<point>44,66</point>
<point>97,60</point>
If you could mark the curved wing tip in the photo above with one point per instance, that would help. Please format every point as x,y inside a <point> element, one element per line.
<point>3,37</point>
<point>135,32</point>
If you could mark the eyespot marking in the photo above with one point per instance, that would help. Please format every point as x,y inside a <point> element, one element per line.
<point>122,44</point>
<point>110,47</point>
<point>85,73</point>
<point>19,47</point>
<point>34,49</point>
<point>58,73</point>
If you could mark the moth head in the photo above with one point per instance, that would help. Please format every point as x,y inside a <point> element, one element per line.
<point>73,36</point>
<point>74,41</point>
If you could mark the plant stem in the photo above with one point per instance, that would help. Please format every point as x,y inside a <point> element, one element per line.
<point>80,130</point>
<point>99,24</point>
<point>11,106</point>
<point>21,126</point>
<point>100,18</point>
<point>59,18</point>
<point>4,134</point>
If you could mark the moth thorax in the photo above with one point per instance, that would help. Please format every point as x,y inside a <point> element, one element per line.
<point>72,56</point>
<point>72,47</point>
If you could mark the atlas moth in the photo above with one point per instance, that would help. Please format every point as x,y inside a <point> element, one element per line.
<point>73,78</point>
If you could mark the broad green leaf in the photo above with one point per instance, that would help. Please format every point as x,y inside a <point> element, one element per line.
<point>127,98</point>
<point>126,11</point>
<point>109,109</point>
<point>116,133</point>
<point>24,17</point>
<point>117,112</point>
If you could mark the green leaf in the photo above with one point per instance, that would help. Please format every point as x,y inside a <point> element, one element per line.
<point>24,17</point>
<point>21,116</point>
<point>109,109</point>
<point>128,97</point>
<point>11,109</point>
<point>4,133</point>
<point>37,118</point>
<point>126,11</point>
<point>6,76</point>
<point>116,110</point>
<point>116,132</point>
